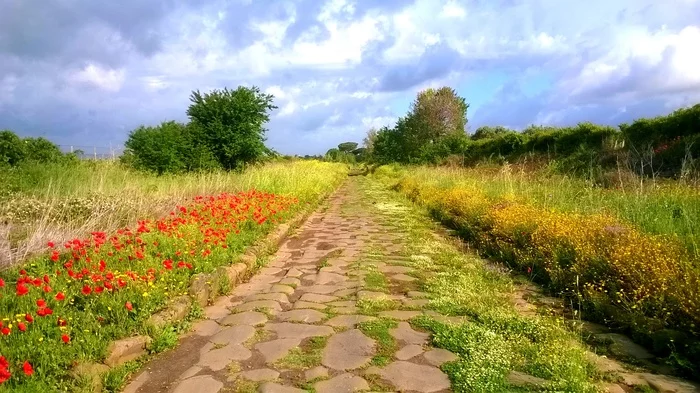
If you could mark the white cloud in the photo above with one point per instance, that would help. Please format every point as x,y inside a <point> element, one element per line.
<point>103,77</point>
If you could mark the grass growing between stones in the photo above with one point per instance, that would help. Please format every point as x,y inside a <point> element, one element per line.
<point>378,330</point>
<point>373,306</point>
<point>308,355</point>
<point>497,339</point>
<point>375,281</point>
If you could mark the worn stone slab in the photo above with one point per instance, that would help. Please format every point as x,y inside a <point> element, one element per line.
<point>292,281</point>
<point>271,387</point>
<point>348,320</point>
<point>252,318</point>
<point>345,310</point>
<point>316,372</point>
<point>259,304</point>
<point>206,328</point>
<point>200,384</point>
<point>665,383</point>
<point>348,350</point>
<point>325,277</point>
<point>190,372</point>
<point>406,376</point>
<point>415,303</point>
<point>317,298</point>
<point>302,315</point>
<point>286,289</point>
<point>438,356</point>
<point>274,350</point>
<point>261,374</point>
<point>302,304</point>
<point>408,352</point>
<point>405,333</point>
<point>276,296</point>
<point>345,292</point>
<point>218,359</point>
<point>294,273</point>
<point>322,289</point>
<point>233,335</point>
<point>624,346</point>
<point>219,309</point>
<point>400,315</point>
<point>417,294</point>
<point>342,383</point>
<point>298,330</point>
<point>127,349</point>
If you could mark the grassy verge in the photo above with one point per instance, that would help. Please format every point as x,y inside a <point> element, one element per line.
<point>56,202</point>
<point>65,305</point>
<point>626,277</point>
<point>495,339</point>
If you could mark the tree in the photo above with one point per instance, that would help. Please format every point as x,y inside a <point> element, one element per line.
<point>438,113</point>
<point>159,149</point>
<point>487,132</point>
<point>42,150</point>
<point>347,147</point>
<point>229,123</point>
<point>12,149</point>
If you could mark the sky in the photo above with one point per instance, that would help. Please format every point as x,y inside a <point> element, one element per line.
<point>86,72</point>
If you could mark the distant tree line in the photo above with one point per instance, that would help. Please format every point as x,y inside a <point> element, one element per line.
<point>15,151</point>
<point>434,132</point>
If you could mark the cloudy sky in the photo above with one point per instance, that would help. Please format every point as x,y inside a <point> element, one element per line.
<point>86,72</point>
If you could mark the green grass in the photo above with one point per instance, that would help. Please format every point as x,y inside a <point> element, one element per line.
<point>378,330</point>
<point>57,202</point>
<point>497,339</point>
<point>375,281</point>
<point>306,357</point>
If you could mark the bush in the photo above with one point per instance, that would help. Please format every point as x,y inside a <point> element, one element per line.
<point>12,150</point>
<point>159,149</point>
<point>229,124</point>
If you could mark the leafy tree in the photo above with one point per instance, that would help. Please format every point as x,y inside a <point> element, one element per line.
<point>42,150</point>
<point>347,147</point>
<point>438,113</point>
<point>159,149</point>
<point>486,132</point>
<point>12,149</point>
<point>368,142</point>
<point>332,154</point>
<point>229,123</point>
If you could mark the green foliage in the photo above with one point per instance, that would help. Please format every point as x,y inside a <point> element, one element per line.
<point>159,149</point>
<point>15,150</point>
<point>12,150</point>
<point>347,147</point>
<point>229,124</point>
<point>431,131</point>
<point>488,132</point>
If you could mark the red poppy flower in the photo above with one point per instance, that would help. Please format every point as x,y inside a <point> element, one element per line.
<point>129,306</point>
<point>22,327</point>
<point>51,244</point>
<point>65,338</point>
<point>27,368</point>
<point>22,289</point>
<point>41,303</point>
<point>2,283</point>
<point>60,296</point>
<point>46,278</point>
<point>5,331</point>
<point>87,290</point>
<point>99,289</point>
<point>47,288</point>
<point>4,374</point>
<point>28,317</point>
